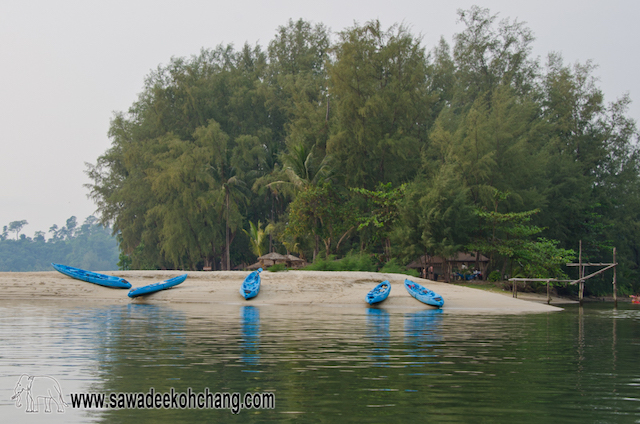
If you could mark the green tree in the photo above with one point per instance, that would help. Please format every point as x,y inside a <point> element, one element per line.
<point>233,190</point>
<point>507,236</point>
<point>181,184</point>
<point>487,56</point>
<point>324,212</point>
<point>436,217</point>
<point>90,247</point>
<point>163,140</point>
<point>69,230</point>
<point>303,168</point>
<point>381,212</point>
<point>257,237</point>
<point>379,104</point>
<point>575,148</point>
<point>544,259</point>
<point>592,167</point>
<point>305,120</point>
<point>17,226</point>
<point>298,81</point>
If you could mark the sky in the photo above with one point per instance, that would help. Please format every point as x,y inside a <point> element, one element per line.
<point>67,66</point>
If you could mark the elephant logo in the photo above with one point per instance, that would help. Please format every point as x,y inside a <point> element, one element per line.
<point>38,388</point>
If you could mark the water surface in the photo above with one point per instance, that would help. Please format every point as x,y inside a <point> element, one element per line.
<point>356,364</point>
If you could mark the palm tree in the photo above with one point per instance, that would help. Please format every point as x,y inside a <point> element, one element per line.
<point>257,236</point>
<point>303,168</point>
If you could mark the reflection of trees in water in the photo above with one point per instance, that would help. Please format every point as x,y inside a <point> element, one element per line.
<point>128,339</point>
<point>250,331</point>
<point>585,354</point>
<point>135,346</point>
<point>128,332</point>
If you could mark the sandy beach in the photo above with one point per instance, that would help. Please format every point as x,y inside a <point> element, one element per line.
<point>281,288</point>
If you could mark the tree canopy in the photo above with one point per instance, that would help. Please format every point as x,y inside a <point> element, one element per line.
<point>320,134</point>
<point>88,246</point>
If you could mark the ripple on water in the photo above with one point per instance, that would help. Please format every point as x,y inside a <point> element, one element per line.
<point>324,361</point>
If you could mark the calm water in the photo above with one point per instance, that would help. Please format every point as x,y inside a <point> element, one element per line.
<point>325,364</point>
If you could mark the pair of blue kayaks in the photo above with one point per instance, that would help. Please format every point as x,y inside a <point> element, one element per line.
<point>423,294</point>
<point>117,282</point>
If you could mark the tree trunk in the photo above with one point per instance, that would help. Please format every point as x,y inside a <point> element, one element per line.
<point>327,247</point>
<point>477,265</point>
<point>316,248</point>
<point>387,247</point>
<point>504,268</point>
<point>445,269</point>
<point>342,238</point>
<point>226,233</point>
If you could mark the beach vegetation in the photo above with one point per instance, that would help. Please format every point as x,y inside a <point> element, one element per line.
<point>277,268</point>
<point>350,262</point>
<point>368,141</point>
<point>394,267</point>
<point>495,276</point>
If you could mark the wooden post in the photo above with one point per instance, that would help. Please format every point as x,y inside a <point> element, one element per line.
<point>615,283</point>
<point>580,275</point>
<point>548,294</point>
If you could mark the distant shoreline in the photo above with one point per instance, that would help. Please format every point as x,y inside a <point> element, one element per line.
<point>339,288</point>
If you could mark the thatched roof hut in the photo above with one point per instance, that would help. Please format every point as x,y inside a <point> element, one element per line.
<point>271,259</point>
<point>274,258</point>
<point>295,262</point>
<point>254,267</point>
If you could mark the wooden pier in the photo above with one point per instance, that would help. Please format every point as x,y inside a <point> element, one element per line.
<point>581,277</point>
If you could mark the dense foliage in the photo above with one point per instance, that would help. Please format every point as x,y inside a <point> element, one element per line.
<point>88,246</point>
<point>372,143</point>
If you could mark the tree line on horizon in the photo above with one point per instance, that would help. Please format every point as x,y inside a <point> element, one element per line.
<point>88,246</point>
<point>364,141</point>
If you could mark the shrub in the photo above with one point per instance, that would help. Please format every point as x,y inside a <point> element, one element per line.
<point>351,262</point>
<point>393,267</point>
<point>276,268</point>
<point>495,276</point>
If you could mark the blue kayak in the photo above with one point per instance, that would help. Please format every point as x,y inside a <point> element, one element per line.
<point>251,285</point>
<point>379,293</point>
<point>93,277</point>
<point>156,287</point>
<point>423,294</point>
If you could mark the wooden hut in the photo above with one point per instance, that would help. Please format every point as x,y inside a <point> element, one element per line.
<point>433,267</point>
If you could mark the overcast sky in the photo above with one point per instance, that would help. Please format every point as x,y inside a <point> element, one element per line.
<point>68,65</point>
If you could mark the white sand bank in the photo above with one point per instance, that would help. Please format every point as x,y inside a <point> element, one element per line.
<point>280,288</point>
